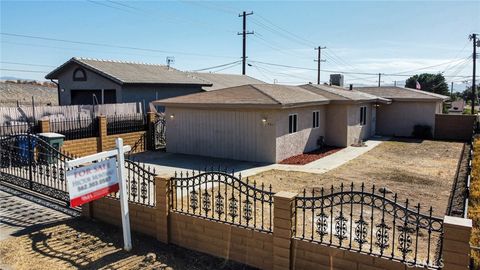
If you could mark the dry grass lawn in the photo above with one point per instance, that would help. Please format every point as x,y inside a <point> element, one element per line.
<point>422,171</point>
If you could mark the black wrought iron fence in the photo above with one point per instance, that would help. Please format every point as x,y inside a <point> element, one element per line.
<point>75,128</point>
<point>18,128</point>
<point>140,183</point>
<point>117,124</point>
<point>370,222</point>
<point>223,197</point>
<point>30,162</point>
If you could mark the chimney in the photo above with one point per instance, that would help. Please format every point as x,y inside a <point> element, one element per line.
<point>351,87</point>
<point>336,79</point>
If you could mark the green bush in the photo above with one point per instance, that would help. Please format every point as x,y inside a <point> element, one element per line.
<point>422,132</point>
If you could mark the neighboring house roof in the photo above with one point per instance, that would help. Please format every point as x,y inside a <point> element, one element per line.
<point>401,93</point>
<point>130,72</point>
<point>252,95</point>
<point>220,81</point>
<point>338,94</point>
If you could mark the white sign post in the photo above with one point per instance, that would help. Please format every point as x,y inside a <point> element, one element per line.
<point>97,180</point>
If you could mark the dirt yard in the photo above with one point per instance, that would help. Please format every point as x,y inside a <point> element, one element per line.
<point>80,244</point>
<point>422,171</point>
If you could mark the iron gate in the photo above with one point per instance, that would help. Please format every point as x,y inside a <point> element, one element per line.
<point>157,128</point>
<point>29,162</point>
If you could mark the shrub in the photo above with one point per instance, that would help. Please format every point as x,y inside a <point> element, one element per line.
<point>422,132</point>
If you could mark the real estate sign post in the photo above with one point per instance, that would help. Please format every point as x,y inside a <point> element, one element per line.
<point>96,180</point>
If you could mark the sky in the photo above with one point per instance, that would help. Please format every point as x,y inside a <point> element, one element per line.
<point>362,38</point>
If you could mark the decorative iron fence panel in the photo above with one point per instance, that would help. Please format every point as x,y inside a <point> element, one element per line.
<point>223,197</point>
<point>30,162</point>
<point>158,137</point>
<point>140,183</point>
<point>75,128</point>
<point>371,223</point>
<point>117,124</point>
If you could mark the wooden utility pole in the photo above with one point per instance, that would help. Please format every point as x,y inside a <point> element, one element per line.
<point>473,38</point>
<point>379,79</point>
<point>319,60</point>
<point>244,34</point>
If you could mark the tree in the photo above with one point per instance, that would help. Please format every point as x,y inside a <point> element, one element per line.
<point>467,94</point>
<point>434,83</point>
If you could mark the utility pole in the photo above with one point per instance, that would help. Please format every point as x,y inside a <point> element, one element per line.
<point>451,91</point>
<point>395,83</point>
<point>473,38</point>
<point>319,60</point>
<point>379,79</point>
<point>244,33</point>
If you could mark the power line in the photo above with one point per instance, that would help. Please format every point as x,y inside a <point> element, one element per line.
<point>24,70</point>
<point>223,65</point>
<point>110,45</point>
<point>25,64</point>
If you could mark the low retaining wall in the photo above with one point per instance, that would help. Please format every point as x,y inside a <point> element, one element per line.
<point>276,250</point>
<point>82,147</point>
<point>454,127</point>
<point>222,240</point>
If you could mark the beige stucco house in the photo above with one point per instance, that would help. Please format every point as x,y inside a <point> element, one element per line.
<point>267,123</point>
<point>409,107</point>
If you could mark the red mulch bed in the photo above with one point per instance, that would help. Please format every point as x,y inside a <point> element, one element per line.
<point>306,158</point>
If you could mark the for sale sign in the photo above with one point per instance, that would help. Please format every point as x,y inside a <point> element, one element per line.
<point>92,182</point>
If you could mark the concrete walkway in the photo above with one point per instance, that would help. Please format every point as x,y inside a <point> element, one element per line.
<point>324,164</point>
<point>168,163</point>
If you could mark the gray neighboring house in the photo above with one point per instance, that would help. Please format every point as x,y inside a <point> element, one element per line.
<point>409,107</point>
<point>85,81</point>
<point>265,122</point>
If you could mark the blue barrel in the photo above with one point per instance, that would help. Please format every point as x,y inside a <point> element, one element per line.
<point>24,149</point>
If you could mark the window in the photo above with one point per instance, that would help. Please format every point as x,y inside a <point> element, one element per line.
<point>79,75</point>
<point>363,115</point>
<point>316,121</point>
<point>292,123</point>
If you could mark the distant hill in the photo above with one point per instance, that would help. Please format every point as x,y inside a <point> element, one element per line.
<point>11,92</point>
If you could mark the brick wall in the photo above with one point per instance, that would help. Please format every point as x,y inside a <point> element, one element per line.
<point>128,139</point>
<point>81,147</point>
<point>222,240</point>
<point>309,255</point>
<point>142,218</point>
<point>454,127</point>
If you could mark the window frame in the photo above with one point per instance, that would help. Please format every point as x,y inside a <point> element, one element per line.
<point>76,79</point>
<point>363,115</point>
<point>292,124</point>
<point>315,119</point>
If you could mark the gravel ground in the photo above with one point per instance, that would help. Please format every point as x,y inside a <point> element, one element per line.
<point>422,171</point>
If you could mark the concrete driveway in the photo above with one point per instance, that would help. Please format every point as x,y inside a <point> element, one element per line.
<point>169,163</point>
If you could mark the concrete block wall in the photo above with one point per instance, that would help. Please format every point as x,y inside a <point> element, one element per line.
<point>222,240</point>
<point>276,250</point>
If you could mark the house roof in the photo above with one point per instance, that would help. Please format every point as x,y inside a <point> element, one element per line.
<point>252,95</point>
<point>220,81</point>
<point>401,93</point>
<point>338,94</point>
<point>130,72</point>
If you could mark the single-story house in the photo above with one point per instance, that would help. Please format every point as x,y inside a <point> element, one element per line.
<point>409,107</point>
<point>267,122</point>
<point>92,81</point>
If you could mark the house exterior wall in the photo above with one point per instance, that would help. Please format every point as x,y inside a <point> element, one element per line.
<point>149,93</point>
<point>356,131</point>
<point>233,134</point>
<point>336,117</point>
<point>93,82</point>
<point>305,139</point>
<point>399,118</point>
